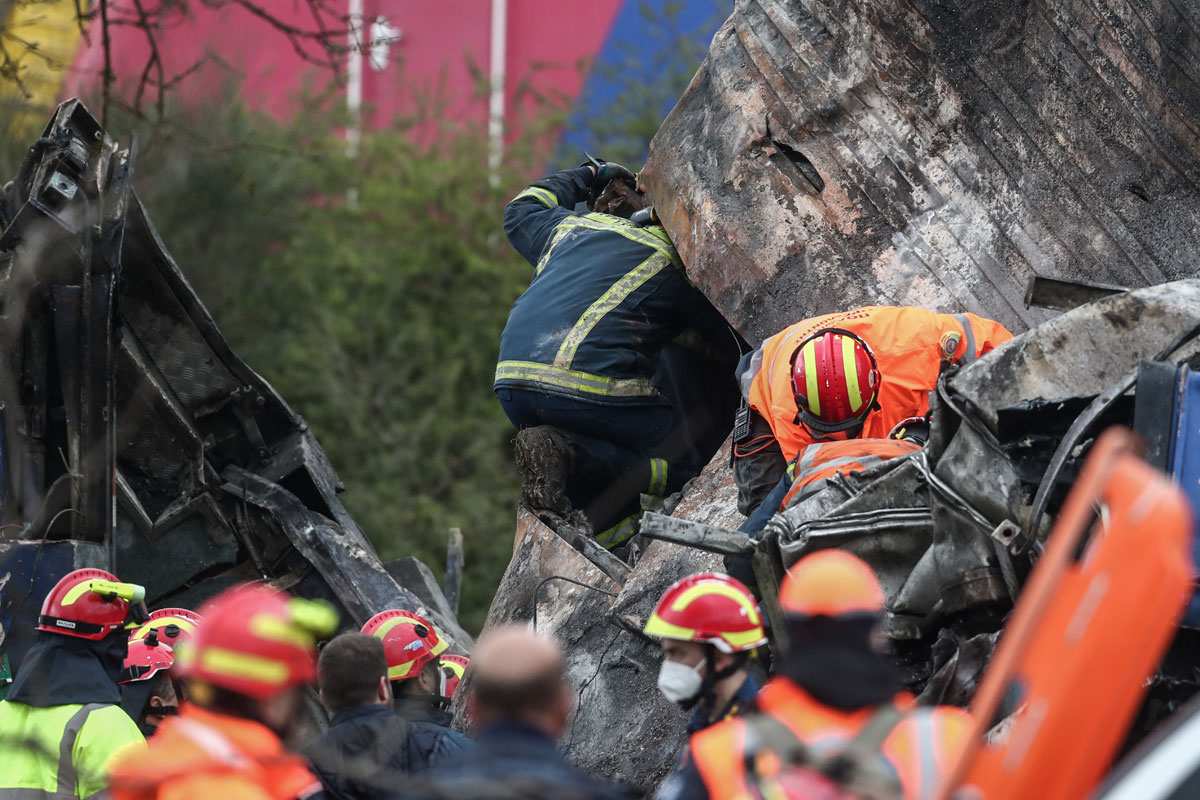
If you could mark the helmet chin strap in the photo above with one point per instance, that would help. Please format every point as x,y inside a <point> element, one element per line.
<point>712,676</point>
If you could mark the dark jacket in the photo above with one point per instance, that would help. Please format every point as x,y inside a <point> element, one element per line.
<point>742,700</point>
<point>426,717</point>
<point>605,298</point>
<point>366,752</point>
<point>514,760</point>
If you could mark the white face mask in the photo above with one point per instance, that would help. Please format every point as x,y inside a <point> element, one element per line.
<point>679,682</point>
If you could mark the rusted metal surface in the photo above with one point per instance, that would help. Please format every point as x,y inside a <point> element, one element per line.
<point>939,153</point>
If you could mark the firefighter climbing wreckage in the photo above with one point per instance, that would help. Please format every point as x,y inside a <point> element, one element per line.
<point>912,476</point>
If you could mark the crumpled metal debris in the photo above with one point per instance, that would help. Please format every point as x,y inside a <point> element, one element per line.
<point>133,438</point>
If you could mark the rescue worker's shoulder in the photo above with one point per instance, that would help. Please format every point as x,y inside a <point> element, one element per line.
<point>107,735</point>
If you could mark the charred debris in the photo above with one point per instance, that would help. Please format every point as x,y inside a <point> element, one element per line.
<point>1033,163</point>
<point>133,438</point>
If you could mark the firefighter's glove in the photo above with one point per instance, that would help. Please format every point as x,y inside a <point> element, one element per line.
<point>607,171</point>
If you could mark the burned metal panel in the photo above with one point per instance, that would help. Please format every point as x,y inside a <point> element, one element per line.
<point>831,153</point>
<point>130,422</point>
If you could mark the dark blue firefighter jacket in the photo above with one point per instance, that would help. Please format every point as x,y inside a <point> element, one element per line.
<point>605,298</point>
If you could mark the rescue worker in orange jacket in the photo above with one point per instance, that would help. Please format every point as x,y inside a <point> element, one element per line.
<point>708,625</point>
<point>834,721</point>
<point>853,374</point>
<point>810,472</point>
<point>252,653</point>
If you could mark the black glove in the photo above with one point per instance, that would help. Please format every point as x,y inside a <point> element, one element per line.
<point>607,171</point>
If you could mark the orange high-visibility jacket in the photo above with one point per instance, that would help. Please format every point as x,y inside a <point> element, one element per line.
<point>920,749</point>
<point>823,460</point>
<point>910,346</point>
<point>202,754</point>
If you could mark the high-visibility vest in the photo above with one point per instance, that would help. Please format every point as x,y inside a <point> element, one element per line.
<point>919,749</point>
<point>910,346</point>
<point>823,460</point>
<point>60,751</point>
<point>203,754</point>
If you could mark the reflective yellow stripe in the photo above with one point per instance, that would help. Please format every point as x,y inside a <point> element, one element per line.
<point>658,477</point>
<point>657,626</point>
<point>702,589</point>
<point>242,665</point>
<point>617,294</point>
<point>654,236</point>
<point>76,591</point>
<point>382,631</point>
<point>810,378</point>
<point>550,375</point>
<point>625,529</point>
<point>401,672</point>
<point>544,195</point>
<point>183,624</point>
<point>274,629</point>
<point>755,636</point>
<point>559,233</point>
<point>455,667</point>
<point>850,367</point>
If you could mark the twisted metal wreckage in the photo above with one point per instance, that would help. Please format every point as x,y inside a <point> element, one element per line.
<point>1005,158</point>
<point>1015,159</point>
<point>133,438</point>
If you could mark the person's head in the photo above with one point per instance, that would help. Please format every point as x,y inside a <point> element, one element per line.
<point>835,382</point>
<point>708,624</point>
<point>163,702</point>
<point>352,673</point>
<point>833,608</point>
<point>411,646</point>
<point>519,676</point>
<point>90,604</point>
<point>253,651</point>
<point>147,693</point>
<point>621,199</point>
<point>453,668</point>
<point>173,626</point>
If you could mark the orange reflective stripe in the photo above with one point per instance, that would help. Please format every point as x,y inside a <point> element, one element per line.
<point>818,462</point>
<point>717,754</point>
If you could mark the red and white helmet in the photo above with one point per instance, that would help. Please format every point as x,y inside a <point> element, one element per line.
<point>256,641</point>
<point>835,381</point>
<point>710,608</point>
<point>409,642</point>
<point>88,604</point>
<point>453,668</point>
<point>173,625</point>
<point>146,658</point>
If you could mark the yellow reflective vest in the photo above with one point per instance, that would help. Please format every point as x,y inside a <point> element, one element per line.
<point>60,751</point>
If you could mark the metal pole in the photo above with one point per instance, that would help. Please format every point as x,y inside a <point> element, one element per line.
<point>498,55</point>
<point>454,568</point>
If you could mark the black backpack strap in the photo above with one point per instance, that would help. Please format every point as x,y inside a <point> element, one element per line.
<point>766,733</point>
<point>858,766</point>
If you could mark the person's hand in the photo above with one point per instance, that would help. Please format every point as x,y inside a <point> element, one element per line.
<point>610,171</point>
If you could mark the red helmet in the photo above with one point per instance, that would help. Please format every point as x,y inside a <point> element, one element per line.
<point>835,381</point>
<point>256,641</point>
<point>831,583</point>
<point>146,657</point>
<point>710,608</point>
<point>409,642</point>
<point>453,668</point>
<point>88,604</point>
<point>173,625</point>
